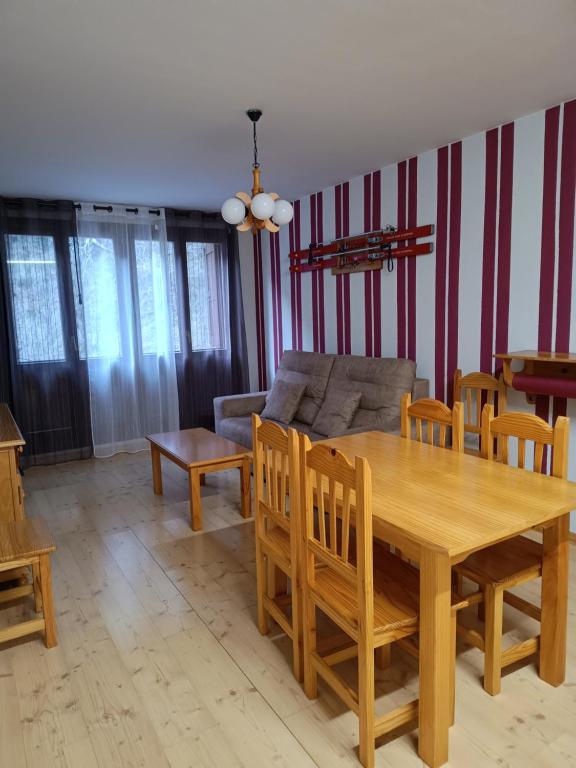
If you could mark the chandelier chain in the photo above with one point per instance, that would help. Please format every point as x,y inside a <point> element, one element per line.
<point>256,163</point>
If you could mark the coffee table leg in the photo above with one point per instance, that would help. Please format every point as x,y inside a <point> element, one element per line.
<point>156,470</point>
<point>246,500</point>
<point>202,478</point>
<point>195,500</point>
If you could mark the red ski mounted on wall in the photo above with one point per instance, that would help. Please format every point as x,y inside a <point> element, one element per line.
<point>359,252</point>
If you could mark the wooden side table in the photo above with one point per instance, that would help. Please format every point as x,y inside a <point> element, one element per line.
<point>199,452</point>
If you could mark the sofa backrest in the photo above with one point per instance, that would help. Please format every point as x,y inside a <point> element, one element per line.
<point>381,380</point>
<point>312,369</point>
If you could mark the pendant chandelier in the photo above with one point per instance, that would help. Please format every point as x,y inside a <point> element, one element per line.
<point>264,210</point>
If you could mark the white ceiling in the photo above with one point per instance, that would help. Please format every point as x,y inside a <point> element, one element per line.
<point>143,102</point>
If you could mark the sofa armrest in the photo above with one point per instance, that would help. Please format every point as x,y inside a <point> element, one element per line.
<point>238,405</point>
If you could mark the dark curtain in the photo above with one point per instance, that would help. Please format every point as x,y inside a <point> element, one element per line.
<point>207,373</point>
<point>42,376</point>
<point>5,366</point>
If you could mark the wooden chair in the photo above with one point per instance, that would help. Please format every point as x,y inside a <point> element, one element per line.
<point>276,499</point>
<point>372,612</point>
<point>478,388</point>
<point>514,561</point>
<point>28,544</point>
<point>432,413</point>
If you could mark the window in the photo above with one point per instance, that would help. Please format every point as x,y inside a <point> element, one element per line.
<point>151,276</point>
<point>207,296</point>
<point>33,276</point>
<point>97,260</point>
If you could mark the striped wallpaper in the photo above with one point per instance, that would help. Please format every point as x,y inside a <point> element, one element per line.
<point>500,277</point>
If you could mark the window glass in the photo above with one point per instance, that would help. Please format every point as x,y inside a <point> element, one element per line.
<point>98,300</point>
<point>151,278</point>
<point>207,296</point>
<point>37,313</point>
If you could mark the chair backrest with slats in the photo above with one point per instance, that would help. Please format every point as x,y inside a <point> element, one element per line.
<point>276,479</point>
<point>475,390</point>
<point>337,489</point>
<point>436,417</point>
<point>526,427</point>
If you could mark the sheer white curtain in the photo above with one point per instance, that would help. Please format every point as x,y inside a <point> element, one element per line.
<point>124,291</point>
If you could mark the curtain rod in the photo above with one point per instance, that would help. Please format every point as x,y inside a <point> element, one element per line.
<point>109,209</point>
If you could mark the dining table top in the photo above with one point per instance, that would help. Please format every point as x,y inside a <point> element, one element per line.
<point>448,501</point>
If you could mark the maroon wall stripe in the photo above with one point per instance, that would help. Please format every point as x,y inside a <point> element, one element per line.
<point>293,290</point>
<point>279,299</point>
<point>259,296</point>
<point>440,288</point>
<point>548,240</point>
<point>565,240</point>
<point>411,266</point>
<point>313,239</point>
<point>274,296</point>
<point>297,242</point>
<point>320,236</point>
<point>339,313</point>
<point>346,278</point>
<point>504,240</point>
<point>368,317</point>
<point>566,227</point>
<point>400,265</point>
<point>489,251</point>
<point>339,283</point>
<point>377,274</point>
<point>453,266</point>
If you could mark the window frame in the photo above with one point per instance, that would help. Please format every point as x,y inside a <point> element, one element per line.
<point>65,288</point>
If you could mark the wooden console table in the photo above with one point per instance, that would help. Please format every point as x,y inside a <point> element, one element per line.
<point>544,373</point>
<point>11,446</point>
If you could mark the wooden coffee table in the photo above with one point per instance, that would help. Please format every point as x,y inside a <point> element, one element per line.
<point>199,451</point>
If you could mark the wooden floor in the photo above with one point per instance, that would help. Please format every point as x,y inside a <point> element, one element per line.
<point>160,662</point>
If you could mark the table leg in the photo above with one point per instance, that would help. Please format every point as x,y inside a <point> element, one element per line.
<point>202,479</point>
<point>195,500</point>
<point>246,496</point>
<point>553,627</point>
<point>45,573</point>
<point>435,649</point>
<point>156,470</point>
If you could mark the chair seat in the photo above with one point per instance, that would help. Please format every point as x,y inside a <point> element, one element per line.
<point>395,594</point>
<point>502,562</point>
<point>23,539</point>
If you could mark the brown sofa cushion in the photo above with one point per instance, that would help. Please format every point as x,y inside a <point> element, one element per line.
<point>382,382</point>
<point>337,411</point>
<point>313,370</point>
<point>283,400</point>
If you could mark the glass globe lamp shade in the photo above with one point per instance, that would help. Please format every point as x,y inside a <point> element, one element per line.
<point>262,206</point>
<point>283,212</point>
<point>233,211</point>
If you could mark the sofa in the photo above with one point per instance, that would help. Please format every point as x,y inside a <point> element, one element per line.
<point>381,382</point>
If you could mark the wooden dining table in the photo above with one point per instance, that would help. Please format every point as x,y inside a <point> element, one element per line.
<point>438,506</point>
